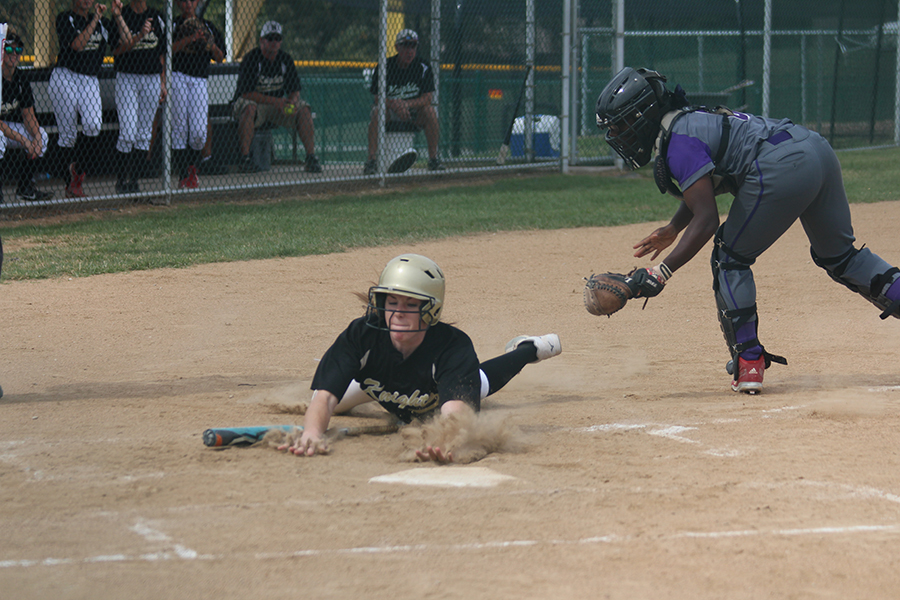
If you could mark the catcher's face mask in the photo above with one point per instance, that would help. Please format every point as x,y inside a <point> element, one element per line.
<point>630,109</point>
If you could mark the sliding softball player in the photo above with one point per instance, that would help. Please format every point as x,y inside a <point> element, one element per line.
<point>403,357</point>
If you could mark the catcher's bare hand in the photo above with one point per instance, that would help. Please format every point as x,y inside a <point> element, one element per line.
<point>435,454</point>
<point>656,242</point>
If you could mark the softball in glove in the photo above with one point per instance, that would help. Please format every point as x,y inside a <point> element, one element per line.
<point>607,293</point>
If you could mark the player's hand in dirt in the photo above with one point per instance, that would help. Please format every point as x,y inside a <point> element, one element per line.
<point>307,445</point>
<point>656,242</point>
<point>433,453</point>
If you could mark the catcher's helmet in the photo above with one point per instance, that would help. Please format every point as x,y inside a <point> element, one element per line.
<point>411,275</point>
<point>631,107</point>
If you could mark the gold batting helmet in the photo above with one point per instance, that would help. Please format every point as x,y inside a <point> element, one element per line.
<point>414,276</point>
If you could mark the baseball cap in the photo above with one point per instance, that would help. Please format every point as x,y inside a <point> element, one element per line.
<point>407,36</point>
<point>13,39</point>
<point>269,28</point>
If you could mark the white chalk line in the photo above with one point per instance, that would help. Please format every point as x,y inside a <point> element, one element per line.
<point>184,554</point>
<point>673,432</point>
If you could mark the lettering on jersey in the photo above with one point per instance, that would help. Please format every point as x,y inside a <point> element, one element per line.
<point>264,84</point>
<point>403,92</point>
<point>8,108</point>
<point>149,42</point>
<point>417,402</point>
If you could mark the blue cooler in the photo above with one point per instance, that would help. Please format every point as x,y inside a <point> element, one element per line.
<point>546,136</point>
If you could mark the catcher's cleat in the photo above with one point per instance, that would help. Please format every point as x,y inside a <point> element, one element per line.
<point>749,376</point>
<point>547,346</point>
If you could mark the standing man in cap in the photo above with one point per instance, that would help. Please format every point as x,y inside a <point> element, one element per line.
<point>410,86</point>
<point>268,91</point>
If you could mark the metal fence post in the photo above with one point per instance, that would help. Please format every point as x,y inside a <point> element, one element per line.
<point>564,80</point>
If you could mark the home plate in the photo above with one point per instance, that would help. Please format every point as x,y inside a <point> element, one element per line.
<point>446,477</point>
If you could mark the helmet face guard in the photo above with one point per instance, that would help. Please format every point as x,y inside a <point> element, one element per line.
<point>375,311</point>
<point>630,107</point>
<point>412,276</point>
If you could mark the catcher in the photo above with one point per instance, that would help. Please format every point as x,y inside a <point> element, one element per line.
<point>777,171</point>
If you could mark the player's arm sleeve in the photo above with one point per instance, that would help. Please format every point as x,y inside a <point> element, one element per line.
<point>218,38</point>
<point>291,79</point>
<point>456,373</point>
<point>428,81</point>
<point>27,99</point>
<point>689,159</point>
<point>246,77</point>
<point>373,87</point>
<point>65,32</point>
<point>159,26</point>
<point>340,363</point>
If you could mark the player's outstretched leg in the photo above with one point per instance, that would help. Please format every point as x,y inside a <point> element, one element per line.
<point>520,351</point>
<point>546,346</point>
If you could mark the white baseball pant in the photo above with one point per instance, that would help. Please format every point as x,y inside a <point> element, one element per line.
<point>137,97</point>
<point>13,144</point>
<point>190,111</point>
<point>73,94</point>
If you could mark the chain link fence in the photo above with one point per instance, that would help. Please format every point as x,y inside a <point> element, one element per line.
<point>159,112</point>
<point>831,65</point>
<point>141,107</point>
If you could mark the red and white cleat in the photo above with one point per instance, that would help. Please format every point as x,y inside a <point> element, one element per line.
<point>749,375</point>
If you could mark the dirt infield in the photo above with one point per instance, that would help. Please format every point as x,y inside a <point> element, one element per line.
<point>644,476</point>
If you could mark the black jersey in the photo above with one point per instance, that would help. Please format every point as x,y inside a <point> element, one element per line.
<point>17,96</point>
<point>143,58</point>
<point>276,78</point>
<point>404,84</point>
<point>196,64</point>
<point>87,61</point>
<point>444,367</point>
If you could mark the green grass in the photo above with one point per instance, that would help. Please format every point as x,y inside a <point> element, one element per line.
<point>189,234</point>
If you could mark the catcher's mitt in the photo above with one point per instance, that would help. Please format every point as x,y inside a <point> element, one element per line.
<point>607,293</point>
<point>188,28</point>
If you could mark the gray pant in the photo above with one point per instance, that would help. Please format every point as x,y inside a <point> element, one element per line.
<point>798,178</point>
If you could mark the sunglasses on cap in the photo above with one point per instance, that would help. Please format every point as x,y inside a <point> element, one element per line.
<point>13,49</point>
<point>273,37</point>
<point>408,44</point>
